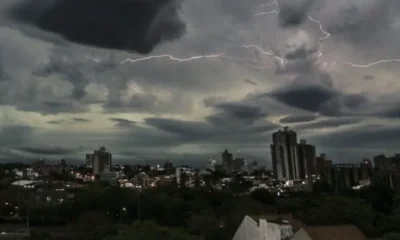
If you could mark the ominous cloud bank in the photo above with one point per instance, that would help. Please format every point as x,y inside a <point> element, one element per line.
<point>293,13</point>
<point>132,25</point>
<point>56,96</point>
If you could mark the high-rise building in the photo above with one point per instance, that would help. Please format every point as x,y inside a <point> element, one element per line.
<point>239,165</point>
<point>284,155</point>
<point>383,163</point>
<point>227,161</point>
<point>322,163</point>
<point>100,160</point>
<point>306,158</point>
<point>366,169</point>
<point>89,160</point>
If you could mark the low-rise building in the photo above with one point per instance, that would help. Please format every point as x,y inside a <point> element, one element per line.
<point>285,227</point>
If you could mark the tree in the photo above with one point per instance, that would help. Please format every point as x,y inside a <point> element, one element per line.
<point>342,210</point>
<point>391,236</point>
<point>322,187</point>
<point>93,226</point>
<point>205,225</point>
<point>151,231</point>
<point>39,235</point>
<point>197,178</point>
<point>182,178</point>
<point>380,196</point>
<point>264,196</point>
<point>239,184</point>
<point>128,171</point>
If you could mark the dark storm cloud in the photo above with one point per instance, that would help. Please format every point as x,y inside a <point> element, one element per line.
<point>4,76</point>
<point>238,9</point>
<point>15,134</point>
<point>316,98</point>
<point>236,113</point>
<point>392,112</point>
<point>203,132</point>
<point>52,150</point>
<point>353,101</point>
<point>121,122</point>
<point>249,81</point>
<point>213,100</point>
<point>361,137</point>
<point>306,97</point>
<point>369,77</point>
<point>361,21</point>
<point>140,102</point>
<point>300,52</point>
<point>293,13</point>
<point>298,119</point>
<point>53,107</point>
<point>132,25</point>
<point>59,65</point>
<point>241,111</point>
<point>186,129</point>
<point>81,120</point>
<point>55,122</point>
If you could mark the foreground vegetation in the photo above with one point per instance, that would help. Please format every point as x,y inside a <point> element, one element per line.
<point>101,212</point>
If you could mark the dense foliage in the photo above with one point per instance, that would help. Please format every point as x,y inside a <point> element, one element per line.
<point>100,211</point>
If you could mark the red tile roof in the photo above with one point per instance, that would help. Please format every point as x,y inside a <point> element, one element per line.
<point>340,232</point>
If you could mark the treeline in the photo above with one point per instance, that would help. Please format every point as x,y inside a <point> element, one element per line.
<point>100,211</point>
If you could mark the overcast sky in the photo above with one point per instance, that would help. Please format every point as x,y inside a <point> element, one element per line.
<point>66,86</point>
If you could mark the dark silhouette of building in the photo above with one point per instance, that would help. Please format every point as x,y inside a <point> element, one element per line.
<point>307,159</point>
<point>239,164</point>
<point>89,160</point>
<point>100,160</point>
<point>366,170</point>
<point>284,155</point>
<point>382,163</point>
<point>227,161</point>
<point>322,163</point>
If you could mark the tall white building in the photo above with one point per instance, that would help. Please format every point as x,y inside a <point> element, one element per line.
<point>189,180</point>
<point>100,160</point>
<point>284,155</point>
<point>249,229</point>
<point>211,164</point>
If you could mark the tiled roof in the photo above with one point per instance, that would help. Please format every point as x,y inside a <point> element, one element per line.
<point>340,232</point>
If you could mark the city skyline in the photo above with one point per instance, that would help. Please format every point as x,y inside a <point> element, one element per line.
<point>315,73</point>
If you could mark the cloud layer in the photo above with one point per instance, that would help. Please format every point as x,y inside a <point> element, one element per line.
<point>183,80</point>
<point>134,25</point>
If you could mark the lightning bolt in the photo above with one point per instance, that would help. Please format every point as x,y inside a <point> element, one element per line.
<point>372,64</point>
<point>262,51</point>
<point>274,11</point>
<point>266,13</point>
<point>273,54</point>
<point>327,35</point>
<point>95,59</point>
<point>129,60</point>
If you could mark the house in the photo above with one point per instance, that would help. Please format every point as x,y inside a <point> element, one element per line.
<point>285,227</point>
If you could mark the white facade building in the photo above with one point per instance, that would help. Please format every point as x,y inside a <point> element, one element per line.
<point>249,229</point>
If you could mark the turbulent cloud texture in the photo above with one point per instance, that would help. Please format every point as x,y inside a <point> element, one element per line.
<point>134,25</point>
<point>183,80</point>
